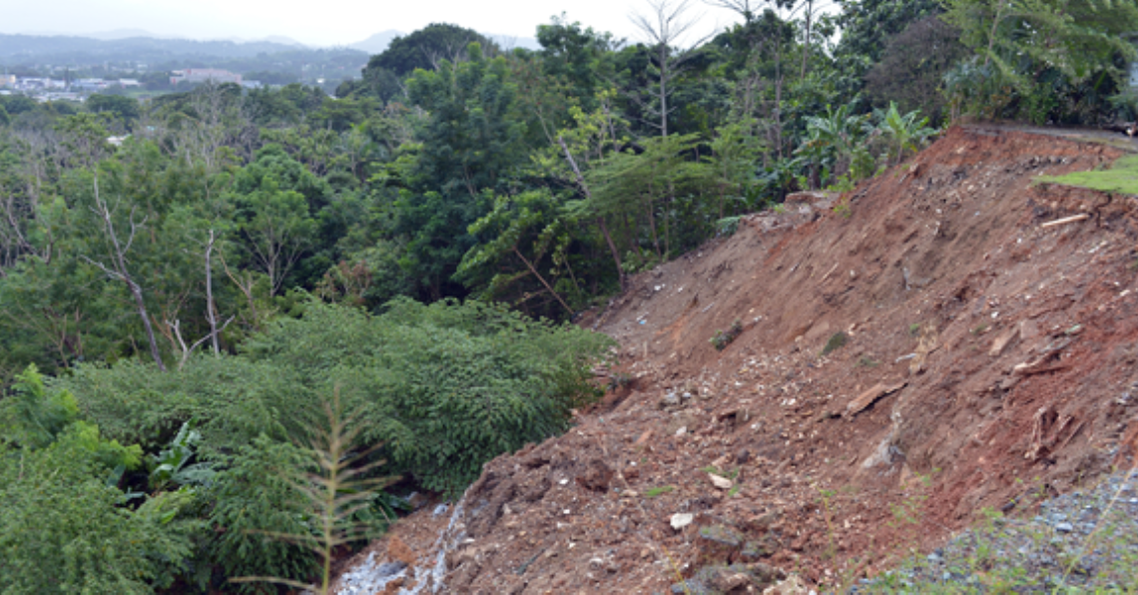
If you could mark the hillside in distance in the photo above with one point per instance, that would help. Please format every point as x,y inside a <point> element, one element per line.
<point>36,55</point>
<point>65,48</point>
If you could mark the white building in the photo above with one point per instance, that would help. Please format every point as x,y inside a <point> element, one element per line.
<point>89,85</point>
<point>204,75</point>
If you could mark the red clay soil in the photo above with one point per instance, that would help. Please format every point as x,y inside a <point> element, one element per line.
<point>987,357</point>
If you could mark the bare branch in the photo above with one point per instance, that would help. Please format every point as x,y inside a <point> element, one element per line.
<point>669,24</point>
<point>743,7</point>
<point>120,271</point>
<point>210,310</point>
<point>665,28</point>
<point>110,273</point>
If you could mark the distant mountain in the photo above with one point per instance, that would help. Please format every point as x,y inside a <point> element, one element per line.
<point>376,43</point>
<point>281,39</point>
<point>64,49</point>
<point>123,34</point>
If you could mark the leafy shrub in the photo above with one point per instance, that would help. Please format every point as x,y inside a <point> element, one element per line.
<point>31,417</point>
<point>62,529</point>
<point>255,501</point>
<point>446,386</point>
<point>724,338</point>
<point>233,399</point>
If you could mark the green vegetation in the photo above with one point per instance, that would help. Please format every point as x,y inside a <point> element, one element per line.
<point>1121,177</point>
<point>437,391</point>
<point>835,342</point>
<point>185,282</point>
<point>1070,74</point>
<point>723,338</point>
<point>658,491</point>
<point>1007,554</point>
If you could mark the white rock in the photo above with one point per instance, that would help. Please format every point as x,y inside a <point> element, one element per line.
<point>721,482</point>
<point>681,520</point>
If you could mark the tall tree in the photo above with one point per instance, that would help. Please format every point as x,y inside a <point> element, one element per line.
<point>471,140</point>
<point>426,49</point>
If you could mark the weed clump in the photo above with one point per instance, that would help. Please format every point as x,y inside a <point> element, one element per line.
<point>836,342</point>
<point>723,338</point>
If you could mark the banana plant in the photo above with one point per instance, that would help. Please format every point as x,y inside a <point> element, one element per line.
<point>832,137</point>
<point>906,130</point>
<point>170,466</point>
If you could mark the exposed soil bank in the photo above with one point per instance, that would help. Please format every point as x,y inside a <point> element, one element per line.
<point>987,354</point>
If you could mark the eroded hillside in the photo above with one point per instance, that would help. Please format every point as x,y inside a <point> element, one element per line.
<point>980,339</point>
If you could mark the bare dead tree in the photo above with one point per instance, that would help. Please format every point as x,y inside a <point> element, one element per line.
<point>187,350</point>
<point>172,330</point>
<point>745,8</point>
<point>199,138</point>
<point>808,16</point>
<point>210,308</point>
<point>665,29</point>
<point>119,270</point>
<point>245,284</point>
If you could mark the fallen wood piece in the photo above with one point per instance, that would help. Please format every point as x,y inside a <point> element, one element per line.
<point>871,396</point>
<point>1065,220</point>
<point>1031,370</point>
<point>1002,341</point>
<point>1048,362</point>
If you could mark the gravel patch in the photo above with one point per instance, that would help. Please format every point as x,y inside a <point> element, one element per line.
<point>1078,542</point>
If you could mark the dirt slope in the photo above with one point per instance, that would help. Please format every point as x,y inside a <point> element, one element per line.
<point>988,358</point>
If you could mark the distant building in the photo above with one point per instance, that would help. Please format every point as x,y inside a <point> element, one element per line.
<point>38,84</point>
<point>89,85</point>
<point>59,97</point>
<point>129,83</point>
<point>7,80</point>
<point>204,75</point>
<point>251,84</point>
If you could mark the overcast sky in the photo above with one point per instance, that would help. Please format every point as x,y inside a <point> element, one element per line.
<point>323,22</point>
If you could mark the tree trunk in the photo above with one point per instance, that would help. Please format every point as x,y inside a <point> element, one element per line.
<point>663,90</point>
<point>210,311</point>
<point>535,272</point>
<point>806,48</point>
<point>600,218</point>
<point>120,270</point>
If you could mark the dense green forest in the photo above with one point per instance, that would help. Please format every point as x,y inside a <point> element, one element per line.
<point>252,282</point>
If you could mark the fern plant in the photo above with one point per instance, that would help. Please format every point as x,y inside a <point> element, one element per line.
<point>335,492</point>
